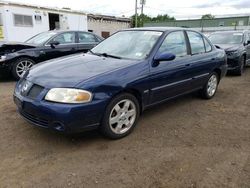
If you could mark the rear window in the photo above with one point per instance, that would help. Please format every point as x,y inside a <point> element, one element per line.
<point>207,45</point>
<point>196,42</point>
<point>86,38</point>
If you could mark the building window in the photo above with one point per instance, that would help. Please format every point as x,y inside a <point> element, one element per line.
<point>23,20</point>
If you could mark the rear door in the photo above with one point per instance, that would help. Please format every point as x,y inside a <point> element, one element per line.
<point>86,41</point>
<point>203,59</point>
<point>171,78</point>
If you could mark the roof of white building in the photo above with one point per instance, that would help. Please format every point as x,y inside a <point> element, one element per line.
<point>41,7</point>
<point>67,10</point>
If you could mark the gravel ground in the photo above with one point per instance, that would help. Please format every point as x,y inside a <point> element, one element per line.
<point>188,142</point>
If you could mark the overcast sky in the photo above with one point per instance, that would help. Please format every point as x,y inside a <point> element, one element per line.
<point>178,8</point>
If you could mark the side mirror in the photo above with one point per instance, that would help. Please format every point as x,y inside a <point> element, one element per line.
<point>163,57</point>
<point>248,42</point>
<point>54,43</point>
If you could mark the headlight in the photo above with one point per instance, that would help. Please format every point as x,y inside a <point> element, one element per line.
<point>2,58</point>
<point>232,53</point>
<point>67,95</point>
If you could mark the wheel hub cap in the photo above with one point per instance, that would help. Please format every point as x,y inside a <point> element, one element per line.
<point>122,116</point>
<point>212,85</point>
<point>23,66</point>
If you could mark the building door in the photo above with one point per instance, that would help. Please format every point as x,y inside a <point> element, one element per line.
<point>105,34</point>
<point>54,21</point>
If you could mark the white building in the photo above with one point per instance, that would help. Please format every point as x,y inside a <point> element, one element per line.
<point>105,26</point>
<point>18,22</point>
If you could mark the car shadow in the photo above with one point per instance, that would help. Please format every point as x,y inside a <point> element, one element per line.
<point>6,78</point>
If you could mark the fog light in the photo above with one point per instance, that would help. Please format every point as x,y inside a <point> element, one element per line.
<point>58,126</point>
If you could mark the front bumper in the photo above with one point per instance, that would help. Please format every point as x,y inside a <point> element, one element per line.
<point>233,63</point>
<point>60,117</point>
<point>5,67</point>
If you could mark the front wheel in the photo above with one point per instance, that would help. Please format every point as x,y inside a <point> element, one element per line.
<point>211,86</point>
<point>20,66</point>
<point>120,116</point>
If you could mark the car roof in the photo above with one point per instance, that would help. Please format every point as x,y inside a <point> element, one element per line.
<point>63,31</point>
<point>163,29</point>
<point>232,31</point>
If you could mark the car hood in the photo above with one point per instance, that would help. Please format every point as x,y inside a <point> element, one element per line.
<point>10,47</point>
<point>229,47</point>
<point>72,70</point>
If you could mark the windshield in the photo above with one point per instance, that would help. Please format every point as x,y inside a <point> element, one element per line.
<point>41,38</point>
<point>128,44</point>
<point>226,38</point>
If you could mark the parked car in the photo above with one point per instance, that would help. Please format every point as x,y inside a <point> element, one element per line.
<point>237,47</point>
<point>16,58</point>
<point>109,87</point>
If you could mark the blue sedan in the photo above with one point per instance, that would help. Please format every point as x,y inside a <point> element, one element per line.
<point>110,86</point>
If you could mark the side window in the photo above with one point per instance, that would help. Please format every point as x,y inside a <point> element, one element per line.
<point>65,38</point>
<point>86,37</point>
<point>196,42</point>
<point>175,43</point>
<point>248,36</point>
<point>207,45</point>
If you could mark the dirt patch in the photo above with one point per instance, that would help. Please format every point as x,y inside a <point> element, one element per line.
<point>188,142</point>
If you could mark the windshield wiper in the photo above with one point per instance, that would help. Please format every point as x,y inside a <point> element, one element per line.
<point>105,55</point>
<point>109,55</point>
<point>92,52</point>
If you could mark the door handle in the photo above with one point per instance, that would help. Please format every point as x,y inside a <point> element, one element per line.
<point>188,65</point>
<point>42,52</point>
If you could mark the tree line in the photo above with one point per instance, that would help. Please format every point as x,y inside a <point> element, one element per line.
<point>142,18</point>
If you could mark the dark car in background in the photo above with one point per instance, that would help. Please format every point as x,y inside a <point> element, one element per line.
<point>16,58</point>
<point>237,47</point>
<point>111,85</point>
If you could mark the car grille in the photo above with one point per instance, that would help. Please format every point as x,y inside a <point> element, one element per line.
<point>29,89</point>
<point>38,121</point>
<point>229,53</point>
<point>35,91</point>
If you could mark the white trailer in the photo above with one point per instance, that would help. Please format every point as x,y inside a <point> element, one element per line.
<point>18,22</point>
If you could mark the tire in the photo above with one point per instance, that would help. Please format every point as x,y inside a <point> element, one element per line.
<point>240,70</point>
<point>121,116</point>
<point>211,86</point>
<point>20,66</point>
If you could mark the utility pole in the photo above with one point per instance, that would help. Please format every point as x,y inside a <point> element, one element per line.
<point>142,2</point>
<point>136,16</point>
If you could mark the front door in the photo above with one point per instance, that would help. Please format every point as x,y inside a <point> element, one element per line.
<point>66,45</point>
<point>171,78</point>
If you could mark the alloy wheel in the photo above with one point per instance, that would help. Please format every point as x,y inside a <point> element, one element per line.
<point>122,116</point>
<point>23,66</point>
<point>212,85</point>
